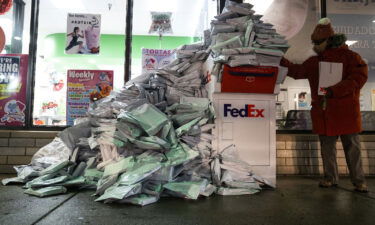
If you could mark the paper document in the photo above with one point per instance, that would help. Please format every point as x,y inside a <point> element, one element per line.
<point>329,74</point>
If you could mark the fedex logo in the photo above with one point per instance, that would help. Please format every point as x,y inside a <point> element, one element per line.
<point>248,111</point>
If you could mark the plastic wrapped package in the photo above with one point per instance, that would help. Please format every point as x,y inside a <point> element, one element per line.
<point>180,154</point>
<point>40,179</point>
<point>26,172</point>
<point>235,42</point>
<point>216,171</point>
<point>244,185</point>
<point>241,60</point>
<point>149,118</point>
<point>268,60</point>
<point>119,167</point>
<point>207,38</point>
<point>189,190</point>
<point>266,51</point>
<point>49,182</point>
<point>104,183</point>
<point>236,191</point>
<point>52,153</point>
<point>239,22</point>
<point>238,10</point>
<point>222,28</point>
<point>12,180</point>
<point>186,127</point>
<point>237,51</point>
<point>138,172</point>
<point>185,53</point>
<point>153,187</point>
<point>71,135</point>
<point>141,199</point>
<point>209,190</point>
<point>54,168</point>
<point>47,191</point>
<point>248,33</point>
<point>222,37</point>
<point>225,16</point>
<point>233,3</point>
<point>118,192</point>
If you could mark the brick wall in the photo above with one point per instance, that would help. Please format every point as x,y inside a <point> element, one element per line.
<point>296,154</point>
<point>17,147</point>
<point>300,154</point>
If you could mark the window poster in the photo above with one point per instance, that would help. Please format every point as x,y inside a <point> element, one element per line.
<point>153,59</point>
<point>83,87</point>
<point>83,34</point>
<point>299,98</point>
<point>13,79</point>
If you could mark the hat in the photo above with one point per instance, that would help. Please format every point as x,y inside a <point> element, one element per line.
<point>323,30</point>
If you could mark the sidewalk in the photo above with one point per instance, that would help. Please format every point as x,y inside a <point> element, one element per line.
<point>297,200</point>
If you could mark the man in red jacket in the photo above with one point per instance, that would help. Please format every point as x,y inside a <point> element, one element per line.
<point>335,109</point>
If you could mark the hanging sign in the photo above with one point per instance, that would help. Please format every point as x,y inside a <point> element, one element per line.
<point>13,78</point>
<point>83,86</point>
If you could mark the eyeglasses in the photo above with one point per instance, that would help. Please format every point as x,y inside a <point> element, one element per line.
<point>318,42</point>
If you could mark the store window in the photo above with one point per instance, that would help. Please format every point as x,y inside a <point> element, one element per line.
<point>14,48</point>
<point>356,20</point>
<point>80,54</point>
<point>160,26</point>
<point>294,19</point>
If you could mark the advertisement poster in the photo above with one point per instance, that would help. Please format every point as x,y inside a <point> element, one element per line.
<point>84,85</point>
<point>153,59</point>
<point>13,78</point>
<point>83,34</point>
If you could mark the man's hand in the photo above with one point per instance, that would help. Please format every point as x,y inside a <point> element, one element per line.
<point>328,92</point>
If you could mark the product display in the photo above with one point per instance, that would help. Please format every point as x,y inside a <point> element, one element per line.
<point>153,138</point>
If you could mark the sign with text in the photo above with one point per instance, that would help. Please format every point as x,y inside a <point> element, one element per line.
<point>153,59</point>
<point>83,34</point>
<point>84,86</point>
<point>13,79</point>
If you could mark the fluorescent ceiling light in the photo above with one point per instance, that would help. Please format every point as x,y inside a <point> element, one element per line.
<point>68,4</point>
<point>17,38</point>
<point>350,42</point>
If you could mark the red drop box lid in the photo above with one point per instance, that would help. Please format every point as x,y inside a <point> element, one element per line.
<point>249,79</point>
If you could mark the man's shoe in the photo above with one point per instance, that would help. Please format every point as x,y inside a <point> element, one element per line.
<point>361,188</point>
<point>327,184</point>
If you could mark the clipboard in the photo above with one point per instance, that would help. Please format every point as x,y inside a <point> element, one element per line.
<point>329,74</point>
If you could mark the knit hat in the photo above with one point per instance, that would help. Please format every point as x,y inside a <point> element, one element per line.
<point>323,30</point>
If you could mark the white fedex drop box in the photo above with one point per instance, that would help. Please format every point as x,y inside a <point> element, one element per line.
<point>248,121</point>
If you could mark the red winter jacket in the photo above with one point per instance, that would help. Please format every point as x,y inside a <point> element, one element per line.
<point>342,114</point>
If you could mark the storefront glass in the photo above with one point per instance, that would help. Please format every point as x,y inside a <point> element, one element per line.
<point>75,35</point>
<point>160,26</point>
<point>356,20</point>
